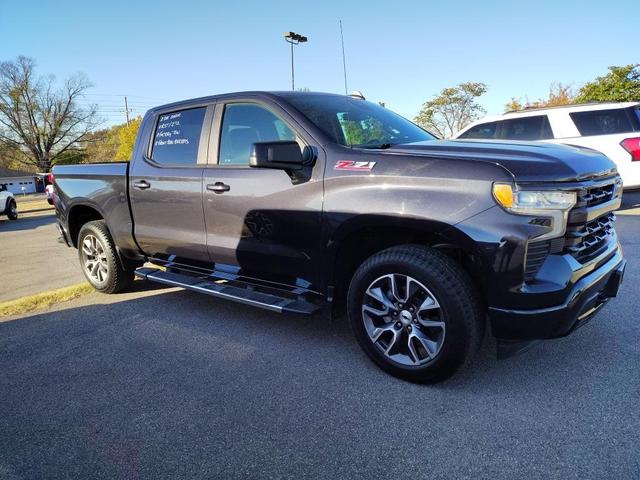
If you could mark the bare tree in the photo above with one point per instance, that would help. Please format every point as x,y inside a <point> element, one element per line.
<point>39,122</point>
<point>452,110</point>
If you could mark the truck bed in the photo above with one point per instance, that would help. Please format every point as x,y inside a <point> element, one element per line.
<point>99,186</point>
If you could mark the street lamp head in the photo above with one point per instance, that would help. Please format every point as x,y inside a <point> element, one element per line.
<point>293,37</point>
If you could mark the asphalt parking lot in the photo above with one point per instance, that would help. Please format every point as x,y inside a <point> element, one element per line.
<point>167,383</point>
<point>31,260</point>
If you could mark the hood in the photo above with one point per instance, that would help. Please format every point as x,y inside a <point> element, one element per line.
<point>526,161</point>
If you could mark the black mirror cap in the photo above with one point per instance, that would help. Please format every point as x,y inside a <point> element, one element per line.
<point>283,155</point>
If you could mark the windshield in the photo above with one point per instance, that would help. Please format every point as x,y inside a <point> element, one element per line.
<point>357,123</point>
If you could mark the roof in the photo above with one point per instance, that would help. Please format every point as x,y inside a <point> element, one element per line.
<point>252,93</point>
<point>576,106</point>
<point>8,173</point>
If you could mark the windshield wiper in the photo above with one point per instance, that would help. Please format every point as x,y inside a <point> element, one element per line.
<point>381,146</point>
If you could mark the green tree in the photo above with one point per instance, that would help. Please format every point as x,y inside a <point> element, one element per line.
<point>126,139</point>
<point>40,121</point>
<point>453,109</point>
<point>621,84</point>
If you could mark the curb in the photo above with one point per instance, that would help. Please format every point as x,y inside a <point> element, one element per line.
<point>44,300</point>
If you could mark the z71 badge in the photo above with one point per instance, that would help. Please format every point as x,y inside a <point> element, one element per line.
<point>354,166</point>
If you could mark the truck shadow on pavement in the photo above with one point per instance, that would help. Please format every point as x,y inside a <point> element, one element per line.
<point>26,223</point>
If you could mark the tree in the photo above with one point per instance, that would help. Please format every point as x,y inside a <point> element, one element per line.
<point>452,110</point>
<point>559,94</point>
<point>513,105</point>
<point>38,121</point>
<point>621,84</point>
<point>102,145</point>
<point>127,137</point>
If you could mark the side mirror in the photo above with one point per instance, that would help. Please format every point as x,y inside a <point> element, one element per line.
<point>284,155</point>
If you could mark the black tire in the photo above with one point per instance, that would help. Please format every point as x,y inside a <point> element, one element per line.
<point>115,279</point>
<point>459,312</point>
<point>12,210</point>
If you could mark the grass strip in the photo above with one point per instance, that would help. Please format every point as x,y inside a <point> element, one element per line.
<point>38,205</point>
<point>43,300</point>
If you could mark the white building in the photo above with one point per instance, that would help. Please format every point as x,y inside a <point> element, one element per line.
<point>21,182</point>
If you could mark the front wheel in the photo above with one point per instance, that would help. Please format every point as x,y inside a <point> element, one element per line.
<point>12,210</point>
<point>99,259</point>
<point>415,312</point>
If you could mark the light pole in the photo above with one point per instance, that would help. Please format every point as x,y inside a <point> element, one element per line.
<point>293,39</point>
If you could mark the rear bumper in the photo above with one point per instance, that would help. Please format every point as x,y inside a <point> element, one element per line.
<point>587,296</point>
<point>64,237</point>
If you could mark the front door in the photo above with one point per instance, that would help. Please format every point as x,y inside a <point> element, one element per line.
<point>261,223</point>
<point>166,186</point>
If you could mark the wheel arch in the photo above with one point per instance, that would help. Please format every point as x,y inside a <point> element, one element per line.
<point>358,240</point>
<point>78,216</point>
<point>82,213</point>
<point>7,203</point>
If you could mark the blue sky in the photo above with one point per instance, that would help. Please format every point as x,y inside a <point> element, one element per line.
<point>399,52</point>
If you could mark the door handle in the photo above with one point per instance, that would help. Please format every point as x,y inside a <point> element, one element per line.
<point>142,185</point>
<point>218,187</point>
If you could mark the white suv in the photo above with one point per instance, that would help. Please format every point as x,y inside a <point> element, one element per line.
<point>8,203</point>
<point>611,128</point>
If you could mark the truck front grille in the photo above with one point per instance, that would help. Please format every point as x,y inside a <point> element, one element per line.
<point>596,195</point>
<point>588,236</point>
<point>583,240</point>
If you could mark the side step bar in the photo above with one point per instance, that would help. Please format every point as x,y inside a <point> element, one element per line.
<point>228,292</point>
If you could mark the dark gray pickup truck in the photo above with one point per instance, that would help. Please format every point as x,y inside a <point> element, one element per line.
<point>293,201</point>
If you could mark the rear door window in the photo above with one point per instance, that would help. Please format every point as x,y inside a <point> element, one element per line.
<point>483,130</point>
<point>525,128</point>
<point>606,122</point>
<point>177,137</point>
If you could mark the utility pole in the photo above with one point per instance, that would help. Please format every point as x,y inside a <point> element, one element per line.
<point>344,62</point>
<point>293,39</point>
<point>126,109</point>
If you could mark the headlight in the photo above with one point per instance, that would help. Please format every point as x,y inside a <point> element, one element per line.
<point>553,204</point>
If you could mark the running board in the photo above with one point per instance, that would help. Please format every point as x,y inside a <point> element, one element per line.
<point>223,290</point>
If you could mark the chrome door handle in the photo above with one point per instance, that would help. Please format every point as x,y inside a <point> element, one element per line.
<point>218,187</point>
<point>142,185</point>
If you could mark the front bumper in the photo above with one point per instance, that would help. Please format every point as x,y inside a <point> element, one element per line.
<point>585,298</point>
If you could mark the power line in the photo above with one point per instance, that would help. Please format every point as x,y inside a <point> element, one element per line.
<point>122,95</point>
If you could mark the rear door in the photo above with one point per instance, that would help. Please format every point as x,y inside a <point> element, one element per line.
<point>166,185</point>
<point>261,223</point>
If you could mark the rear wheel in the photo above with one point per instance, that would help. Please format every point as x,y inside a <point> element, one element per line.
<point>415,312</point>
<point>12,210</point>
<point>99,259</point>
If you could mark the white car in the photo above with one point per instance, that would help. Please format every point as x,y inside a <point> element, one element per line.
<point>611,128</point>
<point>8,205</point>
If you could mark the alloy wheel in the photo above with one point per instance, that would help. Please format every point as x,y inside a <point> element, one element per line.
<point>403,319</point>
<point>94,259</point>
